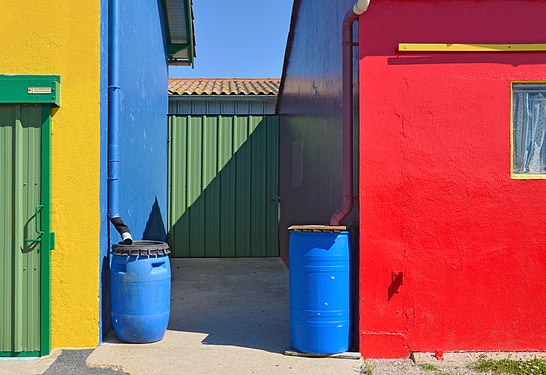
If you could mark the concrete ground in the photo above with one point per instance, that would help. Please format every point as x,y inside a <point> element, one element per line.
<point>24,366</point>
<point>228,316</point>
<point>73,362</point>
<point>59,362</point>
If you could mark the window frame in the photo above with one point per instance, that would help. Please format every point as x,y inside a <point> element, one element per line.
<point>520,176</point>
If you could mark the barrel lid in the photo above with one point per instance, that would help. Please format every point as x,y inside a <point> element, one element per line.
<point>142,248</point>
<point>318,228</point>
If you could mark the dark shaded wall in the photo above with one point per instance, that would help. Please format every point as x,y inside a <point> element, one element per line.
<point>310,175</point>
<point>143,129</point>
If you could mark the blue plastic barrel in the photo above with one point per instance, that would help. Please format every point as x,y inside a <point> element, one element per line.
<point>320,291</point>
<point>141,291</point>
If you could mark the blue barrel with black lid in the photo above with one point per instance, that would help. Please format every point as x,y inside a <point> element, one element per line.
<point>140,290</point>
<point>320,289</point>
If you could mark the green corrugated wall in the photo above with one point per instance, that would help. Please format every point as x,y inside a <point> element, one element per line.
<point>20,148</point>
<point>223,186</point>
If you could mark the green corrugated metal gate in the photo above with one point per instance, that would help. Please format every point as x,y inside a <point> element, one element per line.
<point>25,237</point>
<point>223,186</point>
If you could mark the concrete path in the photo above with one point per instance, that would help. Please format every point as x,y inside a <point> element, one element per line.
<point>73,362</point>
<point>24,366</point>
<point>59,362</point>
<point>228,316</point>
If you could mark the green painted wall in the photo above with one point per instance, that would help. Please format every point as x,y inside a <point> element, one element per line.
<point>223,186</point>
<point>20,265</point>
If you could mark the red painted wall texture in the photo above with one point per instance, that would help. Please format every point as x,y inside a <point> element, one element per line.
<point>437,201</point>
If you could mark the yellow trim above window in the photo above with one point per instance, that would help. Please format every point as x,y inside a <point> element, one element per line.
<point>440,47</point>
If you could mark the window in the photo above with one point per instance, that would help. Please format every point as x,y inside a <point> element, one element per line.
<point>529,130</point>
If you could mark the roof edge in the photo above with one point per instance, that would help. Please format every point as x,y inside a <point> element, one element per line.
<point>225,79</point>
<point>223,86</point>
<point>221,97</point>
<point>174,48</point>
<point>288,50</point>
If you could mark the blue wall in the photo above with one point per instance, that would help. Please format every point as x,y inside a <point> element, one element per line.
<point>143,130</point>
<point>143,120</point>
<point>104,302</point>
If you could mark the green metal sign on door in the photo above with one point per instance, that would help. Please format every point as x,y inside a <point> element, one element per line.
<point>223,186</point>
<point>25,213</point>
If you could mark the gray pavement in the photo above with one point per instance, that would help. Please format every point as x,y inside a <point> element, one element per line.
<point>59,362</point>
<point>30,366</point>
<point>228,316</point>
<point>72,362</point>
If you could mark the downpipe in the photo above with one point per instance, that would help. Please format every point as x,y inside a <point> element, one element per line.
<point>347,86</point>
<point>114,93</point>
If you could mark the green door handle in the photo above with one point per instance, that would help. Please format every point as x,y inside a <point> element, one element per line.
<point>37,223</point>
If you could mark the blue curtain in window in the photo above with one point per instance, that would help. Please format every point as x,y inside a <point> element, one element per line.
<point>529,127</point>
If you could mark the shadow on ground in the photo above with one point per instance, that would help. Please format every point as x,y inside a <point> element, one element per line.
<point>73,362</point>
<point>236,302</point>
<point>228,316</point>
<point>232,301</point>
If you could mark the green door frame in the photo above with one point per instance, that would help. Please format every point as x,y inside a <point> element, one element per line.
<point>48,238</point>
<point>44,90</point>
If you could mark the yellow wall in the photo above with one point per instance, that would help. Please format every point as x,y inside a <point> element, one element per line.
<point>62,37</point>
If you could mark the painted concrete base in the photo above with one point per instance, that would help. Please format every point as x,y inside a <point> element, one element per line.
<point>228,316</point>
<point>20,366</point>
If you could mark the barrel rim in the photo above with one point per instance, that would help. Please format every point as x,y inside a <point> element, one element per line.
<point>318,228</point>
<point>141,248</point>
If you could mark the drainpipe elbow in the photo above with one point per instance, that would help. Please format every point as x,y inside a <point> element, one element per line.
<point>122,229</point>
<point>342,212</point>
<point>361,6</point>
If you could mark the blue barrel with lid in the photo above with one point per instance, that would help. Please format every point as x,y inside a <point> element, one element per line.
<point>319,260</point>
<point>141,290</point>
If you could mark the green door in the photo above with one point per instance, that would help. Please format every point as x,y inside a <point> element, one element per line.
<point>223,186</point>
<point>25,235</point>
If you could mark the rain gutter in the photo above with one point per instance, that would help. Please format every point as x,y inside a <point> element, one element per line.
<point>347,77</point>
<point>114,106</point>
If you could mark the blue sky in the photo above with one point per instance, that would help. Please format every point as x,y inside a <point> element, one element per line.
<point>238,38</point>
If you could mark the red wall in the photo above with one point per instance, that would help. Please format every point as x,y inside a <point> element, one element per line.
<point>437,201</point>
